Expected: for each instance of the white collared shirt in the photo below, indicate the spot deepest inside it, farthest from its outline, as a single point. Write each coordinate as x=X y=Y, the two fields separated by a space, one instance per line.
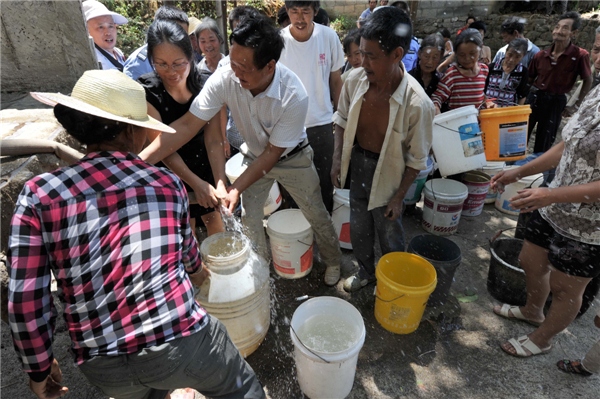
x=274 y=116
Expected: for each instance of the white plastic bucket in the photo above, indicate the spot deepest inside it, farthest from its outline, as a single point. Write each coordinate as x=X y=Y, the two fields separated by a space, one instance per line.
x=317 y=378
x=291 y=243
x=234 y=169
x=492 y=168
x=341 y=217
x=413 y=195
x=444 y=200
x=457 y=142
x=478 y=184
x=502 y=201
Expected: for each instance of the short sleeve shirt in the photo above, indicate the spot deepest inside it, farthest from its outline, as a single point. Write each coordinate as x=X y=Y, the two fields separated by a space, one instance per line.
x=138 y=64
x=559 y=77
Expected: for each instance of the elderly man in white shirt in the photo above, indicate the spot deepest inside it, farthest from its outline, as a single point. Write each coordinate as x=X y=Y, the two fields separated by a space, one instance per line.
x=102 y=27
x=268 y=104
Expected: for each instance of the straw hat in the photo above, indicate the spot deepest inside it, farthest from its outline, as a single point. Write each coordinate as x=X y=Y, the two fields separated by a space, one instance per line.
x=194 y=22
x=108 y=94
x=93 y=9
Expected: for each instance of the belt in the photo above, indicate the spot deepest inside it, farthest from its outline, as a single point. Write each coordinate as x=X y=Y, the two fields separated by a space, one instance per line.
x=543 y=93
x=296 y=150
x=366 y=153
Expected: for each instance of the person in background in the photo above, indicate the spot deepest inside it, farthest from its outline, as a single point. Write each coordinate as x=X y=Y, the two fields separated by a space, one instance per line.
x=321 y=17
x=269 y=104
x=470 y=20
x=562 y=238
x=508 y=80
x=114 y=231
x=411 y=57
x=486 y=52
x=512 y=28
x=562 y=3
x=430 y=55
x=366 y=13
x=384 y=2
x=590 y=364
x=463 y=83
x=553 y=73
x=283 y=19
x=194 y=22
x=314 y=53
x=448 y=49
x=383 y=129
x=138 y=63
x=351 y=48
x=170 y=90
x=210 y=40
x=102 y=26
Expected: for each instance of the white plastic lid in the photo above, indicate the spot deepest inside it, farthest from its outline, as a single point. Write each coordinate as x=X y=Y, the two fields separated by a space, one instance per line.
x=456 y=113
x=288 y=221
x=235 y=166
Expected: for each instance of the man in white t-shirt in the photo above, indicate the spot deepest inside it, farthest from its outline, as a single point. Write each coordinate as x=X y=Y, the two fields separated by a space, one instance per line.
x=268 y=104
x=314 y=53
x=102 y=27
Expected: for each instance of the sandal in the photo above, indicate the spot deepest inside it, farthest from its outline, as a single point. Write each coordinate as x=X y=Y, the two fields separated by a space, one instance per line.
x=522 y=343
x=516 y=314
x=573 y=367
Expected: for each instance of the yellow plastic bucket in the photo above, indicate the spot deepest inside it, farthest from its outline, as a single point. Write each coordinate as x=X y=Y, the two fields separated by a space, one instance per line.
x=505 y=132
x=404 y=283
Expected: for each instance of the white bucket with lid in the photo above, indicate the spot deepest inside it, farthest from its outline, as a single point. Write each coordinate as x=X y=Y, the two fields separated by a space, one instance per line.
x=457 y=141
x=234 y=169
x=413 y=195
x=291 y=243
x=323 y=373
x=341 y=217
x=492 y=168
x=443 y=206
x=478 y=184
x=502 y=201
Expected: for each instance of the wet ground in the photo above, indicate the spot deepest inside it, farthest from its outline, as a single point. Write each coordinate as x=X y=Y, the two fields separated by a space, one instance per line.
x=454 y=353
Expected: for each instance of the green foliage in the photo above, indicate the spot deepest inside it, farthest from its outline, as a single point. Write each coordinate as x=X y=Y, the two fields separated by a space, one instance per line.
x=343 y=24
x=141 y=14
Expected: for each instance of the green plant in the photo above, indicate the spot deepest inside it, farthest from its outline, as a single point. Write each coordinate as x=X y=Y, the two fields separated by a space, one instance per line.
x=342 y=24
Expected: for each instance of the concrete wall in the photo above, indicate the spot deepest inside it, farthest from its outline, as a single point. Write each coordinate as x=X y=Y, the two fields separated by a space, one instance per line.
x=45 y=45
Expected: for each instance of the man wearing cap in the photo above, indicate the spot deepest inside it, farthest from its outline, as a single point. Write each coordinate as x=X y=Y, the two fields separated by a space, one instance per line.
x=194 y=22
x=102 y=26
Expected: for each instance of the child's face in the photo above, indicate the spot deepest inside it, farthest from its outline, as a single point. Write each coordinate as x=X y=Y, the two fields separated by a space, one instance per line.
x=354 y=57
x=467 y=54
x=429 y=59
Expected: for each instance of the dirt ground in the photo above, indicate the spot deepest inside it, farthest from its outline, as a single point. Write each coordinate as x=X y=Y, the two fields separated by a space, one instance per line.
x=454 y=353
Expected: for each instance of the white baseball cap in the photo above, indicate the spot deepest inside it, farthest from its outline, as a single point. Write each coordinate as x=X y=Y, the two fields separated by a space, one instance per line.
x=93 y=9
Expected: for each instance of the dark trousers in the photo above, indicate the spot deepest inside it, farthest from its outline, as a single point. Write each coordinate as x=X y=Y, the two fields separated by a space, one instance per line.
x=364 y=223
x=321 y=141
x=546 y=112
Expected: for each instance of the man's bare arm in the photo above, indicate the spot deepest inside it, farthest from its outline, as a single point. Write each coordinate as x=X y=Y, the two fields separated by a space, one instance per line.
x=335 y=86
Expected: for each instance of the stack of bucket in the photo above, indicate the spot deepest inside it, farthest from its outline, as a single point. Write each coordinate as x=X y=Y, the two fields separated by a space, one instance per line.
x=291 y=243
x=341 y=217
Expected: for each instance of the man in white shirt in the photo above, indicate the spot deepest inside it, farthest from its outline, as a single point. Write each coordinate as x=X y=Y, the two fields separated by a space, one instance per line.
x=314 y=53
x=102 y=27
x=269 y=104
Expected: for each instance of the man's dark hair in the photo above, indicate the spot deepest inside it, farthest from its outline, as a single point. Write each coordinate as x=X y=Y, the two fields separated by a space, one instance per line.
x=240 y=11
x=87 y=128
x=512 y=24
x=445 y=33
x=433 y=41
x=519 y=45
x=402 y=5
x=479 y=25
x=470 y=17
x=322 y=17
x=314 y=4
x=282 y=15
x=574 y=15
x=170 y=13
x=259 y=34
x=389 y=26
x=352 y=37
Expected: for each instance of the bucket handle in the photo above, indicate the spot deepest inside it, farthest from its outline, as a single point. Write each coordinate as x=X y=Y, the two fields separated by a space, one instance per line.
x=306 y=347
x=337 y=208
x=457 y=131
x=383 y=300
x=495 y=237
x=308 y=245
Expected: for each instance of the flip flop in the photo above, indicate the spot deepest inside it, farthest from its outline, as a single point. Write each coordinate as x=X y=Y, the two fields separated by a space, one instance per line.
x=573 y=367
x=522 y=343
x=516 y=314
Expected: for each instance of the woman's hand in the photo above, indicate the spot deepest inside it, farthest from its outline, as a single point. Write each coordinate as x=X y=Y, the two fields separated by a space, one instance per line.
x=531 y=199
x=205 y=194
x=50 y=388
x=504 y=178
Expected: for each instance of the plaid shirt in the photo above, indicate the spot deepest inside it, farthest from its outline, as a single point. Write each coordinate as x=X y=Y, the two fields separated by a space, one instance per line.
x=115 y=232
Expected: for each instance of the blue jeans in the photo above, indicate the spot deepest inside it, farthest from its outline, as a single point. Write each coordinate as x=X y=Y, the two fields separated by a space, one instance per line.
x=206 y=361
x=364 y=223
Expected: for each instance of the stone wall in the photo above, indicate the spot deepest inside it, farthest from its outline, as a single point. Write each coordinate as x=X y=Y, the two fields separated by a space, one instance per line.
x=44 y=46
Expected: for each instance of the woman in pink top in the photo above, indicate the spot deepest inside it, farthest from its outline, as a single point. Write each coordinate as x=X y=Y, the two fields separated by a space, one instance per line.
x=464 y=82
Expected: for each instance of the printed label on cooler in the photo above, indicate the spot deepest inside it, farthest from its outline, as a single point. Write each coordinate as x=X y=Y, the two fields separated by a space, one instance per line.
x=513 y=139
x=470 y=137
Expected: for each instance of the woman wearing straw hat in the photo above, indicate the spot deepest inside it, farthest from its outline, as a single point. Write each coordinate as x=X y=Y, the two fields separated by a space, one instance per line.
x=114 y=230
